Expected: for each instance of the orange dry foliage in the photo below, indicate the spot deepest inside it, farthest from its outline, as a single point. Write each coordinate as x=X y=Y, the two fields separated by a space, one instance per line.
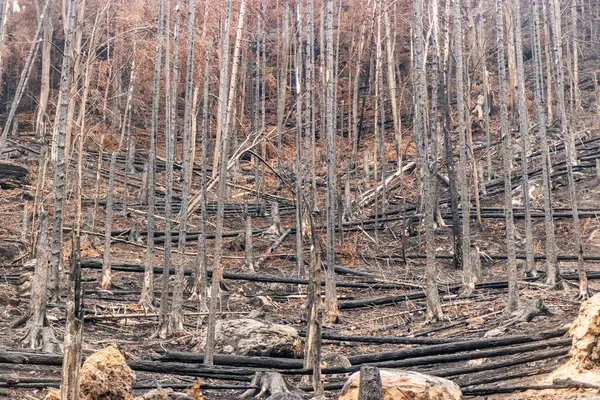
x=195 y=390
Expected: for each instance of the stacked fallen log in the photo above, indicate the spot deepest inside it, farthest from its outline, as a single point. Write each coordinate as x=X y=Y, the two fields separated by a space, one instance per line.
x=233 y=367
x=126 y=267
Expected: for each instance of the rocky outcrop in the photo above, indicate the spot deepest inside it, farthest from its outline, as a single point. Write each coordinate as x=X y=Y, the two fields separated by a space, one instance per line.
x=401 y=385
x=106 y=375
x=250 y=337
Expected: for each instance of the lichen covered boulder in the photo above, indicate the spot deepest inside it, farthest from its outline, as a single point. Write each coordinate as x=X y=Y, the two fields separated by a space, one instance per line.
x=402 y=385
x=106 y=375
x=250 y=337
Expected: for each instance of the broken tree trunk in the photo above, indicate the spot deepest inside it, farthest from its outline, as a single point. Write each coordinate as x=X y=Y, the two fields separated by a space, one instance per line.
x=370 y=383
x=74 y=327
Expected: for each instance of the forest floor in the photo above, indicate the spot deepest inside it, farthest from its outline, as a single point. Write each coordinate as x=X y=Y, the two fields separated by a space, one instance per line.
x=466 y=315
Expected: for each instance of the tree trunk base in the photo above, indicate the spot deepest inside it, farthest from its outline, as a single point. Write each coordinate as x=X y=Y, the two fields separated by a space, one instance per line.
x=272 y=384
x=42 y=338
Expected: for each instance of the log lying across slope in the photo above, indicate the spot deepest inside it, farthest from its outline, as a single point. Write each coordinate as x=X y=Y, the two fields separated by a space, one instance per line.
x=231 y=367
x=138 y=268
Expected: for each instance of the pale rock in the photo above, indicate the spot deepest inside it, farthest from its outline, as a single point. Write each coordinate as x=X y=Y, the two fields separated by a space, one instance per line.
x=250 y=337
x=401 y=385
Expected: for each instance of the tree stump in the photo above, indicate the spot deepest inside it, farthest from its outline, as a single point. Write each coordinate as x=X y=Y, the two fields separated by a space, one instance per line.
x=273 y=385
x=370 y=383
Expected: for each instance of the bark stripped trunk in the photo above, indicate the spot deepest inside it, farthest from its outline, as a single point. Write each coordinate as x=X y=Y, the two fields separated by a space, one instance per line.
x=147 y=296
x=176 y=316
x=552 y=272
x=283 y=75
x=513 y=288
x=299 y=177
x=40 y=124
x=331 y=305
x=462 y=159
x=525 y=142
x=106 y=267
x=223 y=160
x=570 y=150
x=202 y=260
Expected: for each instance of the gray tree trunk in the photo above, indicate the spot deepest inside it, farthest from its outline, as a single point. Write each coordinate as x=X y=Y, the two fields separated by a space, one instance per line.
x=106 y=278
x=462 y=159
x=525 y=142
x=60 y=166
x=552 y=272
x=202 y=260
x=223 y=160
x=283 y=75
x=176 y=315
x=331 y=306
x=299 y=177
x=513 y=288
x=147 y=296
x=40 y=124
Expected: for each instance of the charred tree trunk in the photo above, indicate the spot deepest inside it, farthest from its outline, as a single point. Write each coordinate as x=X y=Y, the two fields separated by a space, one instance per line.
x=60 y=165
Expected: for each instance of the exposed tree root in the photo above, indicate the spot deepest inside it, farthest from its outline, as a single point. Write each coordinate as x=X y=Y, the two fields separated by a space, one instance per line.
x=272 y=384
x=42 y=338
x=535 y=309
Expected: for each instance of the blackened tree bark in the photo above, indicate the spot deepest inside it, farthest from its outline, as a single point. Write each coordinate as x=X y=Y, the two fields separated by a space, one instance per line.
x=513 y=288
x=60 y=165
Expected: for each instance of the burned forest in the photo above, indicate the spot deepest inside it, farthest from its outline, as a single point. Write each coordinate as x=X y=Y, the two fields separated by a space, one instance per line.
x=299 y=199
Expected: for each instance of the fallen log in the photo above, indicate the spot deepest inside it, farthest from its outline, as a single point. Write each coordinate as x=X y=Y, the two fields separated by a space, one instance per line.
x=493 y=352
x=214 y=372
x=125 y=267
x=486 y=377
x=386 y=339
x=466 y=345
x=489 y=390
x=458 y=371
x=12 y=175
x=232 y=360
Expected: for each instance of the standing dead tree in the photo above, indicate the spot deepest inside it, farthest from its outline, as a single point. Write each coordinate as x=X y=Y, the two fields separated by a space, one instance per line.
x=513 y=288
x=462 y=139
x=106 y=278
x=552 y=272
x=176 y=315
x=40 y=334
x=69 y=387
x=434 y=309
x=226 y=117
x=60 y=164
x=331 y=306
x=147 y=297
